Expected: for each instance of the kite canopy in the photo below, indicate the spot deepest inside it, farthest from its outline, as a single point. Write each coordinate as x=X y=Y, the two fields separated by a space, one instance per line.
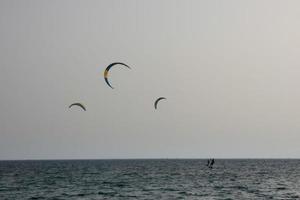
x=107 y=70
x=78 y=104
x=157 y=100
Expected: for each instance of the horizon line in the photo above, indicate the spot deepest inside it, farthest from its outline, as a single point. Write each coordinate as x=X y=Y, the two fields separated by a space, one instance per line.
x=74 y=159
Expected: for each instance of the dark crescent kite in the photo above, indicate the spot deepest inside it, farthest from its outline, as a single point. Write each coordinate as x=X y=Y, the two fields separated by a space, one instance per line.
x=78 y=104
x=108 y=68
x=157 y=100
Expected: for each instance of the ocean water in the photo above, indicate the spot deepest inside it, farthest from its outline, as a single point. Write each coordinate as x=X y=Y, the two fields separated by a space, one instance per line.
x=150 y=179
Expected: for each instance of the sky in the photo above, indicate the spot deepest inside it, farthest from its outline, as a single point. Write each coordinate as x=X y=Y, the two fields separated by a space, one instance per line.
x=229 y=70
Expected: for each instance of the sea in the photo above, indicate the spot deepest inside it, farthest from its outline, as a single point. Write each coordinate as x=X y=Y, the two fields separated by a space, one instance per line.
x=150 y=179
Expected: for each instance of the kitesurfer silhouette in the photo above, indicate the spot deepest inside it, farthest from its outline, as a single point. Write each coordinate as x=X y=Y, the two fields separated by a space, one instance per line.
x=208 y=162
x=212 y=162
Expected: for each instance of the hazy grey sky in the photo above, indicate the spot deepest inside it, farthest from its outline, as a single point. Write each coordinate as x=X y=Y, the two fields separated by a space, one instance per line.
x=230 y=71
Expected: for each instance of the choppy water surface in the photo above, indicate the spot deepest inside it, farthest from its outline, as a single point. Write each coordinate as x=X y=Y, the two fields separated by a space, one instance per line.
x=150 y=179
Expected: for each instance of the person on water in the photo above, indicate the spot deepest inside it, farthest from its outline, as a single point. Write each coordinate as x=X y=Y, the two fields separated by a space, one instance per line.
x=212 y=162
x=208 y=162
